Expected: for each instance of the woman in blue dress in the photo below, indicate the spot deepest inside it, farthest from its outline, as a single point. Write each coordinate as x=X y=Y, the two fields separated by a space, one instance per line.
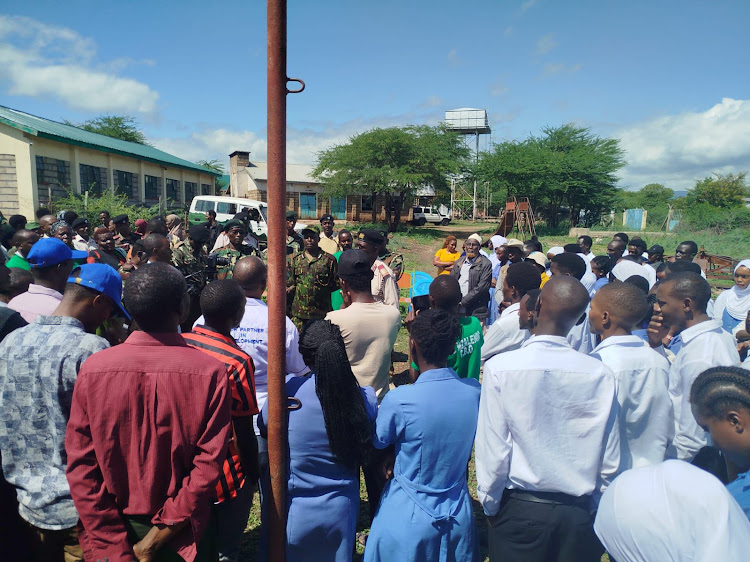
x=731 y=306
x=329 y=437
x=425 y=512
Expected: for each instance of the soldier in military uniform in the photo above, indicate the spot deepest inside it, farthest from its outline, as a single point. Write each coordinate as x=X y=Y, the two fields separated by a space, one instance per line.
x=293 y=239
x=312 y=275
x=384 y=286
x=191 y=258
x=236 y=231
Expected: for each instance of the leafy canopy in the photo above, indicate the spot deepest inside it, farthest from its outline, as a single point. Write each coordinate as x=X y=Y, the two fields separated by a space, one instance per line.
x=123 y=127
x=722 y=190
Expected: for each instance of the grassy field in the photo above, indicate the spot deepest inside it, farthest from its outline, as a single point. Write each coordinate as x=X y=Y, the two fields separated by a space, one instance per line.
x=418 y=245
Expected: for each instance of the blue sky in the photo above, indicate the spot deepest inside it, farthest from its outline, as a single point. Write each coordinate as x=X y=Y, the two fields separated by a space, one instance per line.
x=670 y=79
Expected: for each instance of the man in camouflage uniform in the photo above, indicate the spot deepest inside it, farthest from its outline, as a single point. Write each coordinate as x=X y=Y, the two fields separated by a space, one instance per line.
x=312 y=275
x=236 y=231
x=293 y=239
x=191 y=258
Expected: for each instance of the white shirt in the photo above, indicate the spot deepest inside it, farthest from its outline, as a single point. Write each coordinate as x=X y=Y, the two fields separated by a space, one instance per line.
x=547 y=423
x=384 y=281
x=505 y=334
x=646 y=420
x=252 y=337
x=671 y=512
x=704 y=345
x=83 y=245
x=463 y=277
x=580 y=337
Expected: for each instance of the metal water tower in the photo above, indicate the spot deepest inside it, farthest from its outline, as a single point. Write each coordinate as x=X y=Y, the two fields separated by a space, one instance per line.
x=467 y=121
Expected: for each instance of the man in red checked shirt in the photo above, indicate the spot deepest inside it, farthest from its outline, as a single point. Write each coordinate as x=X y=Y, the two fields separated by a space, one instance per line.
x=148 y=433
x=223 y=306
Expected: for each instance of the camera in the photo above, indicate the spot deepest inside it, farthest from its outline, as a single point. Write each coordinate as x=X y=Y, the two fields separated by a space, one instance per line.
x=213 y=263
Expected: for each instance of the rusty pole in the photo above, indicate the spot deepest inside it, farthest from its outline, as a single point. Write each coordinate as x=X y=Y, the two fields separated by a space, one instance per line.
x=277 y=420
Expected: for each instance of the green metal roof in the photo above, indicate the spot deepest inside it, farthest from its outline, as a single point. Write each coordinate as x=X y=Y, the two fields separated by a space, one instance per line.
x=44 y=128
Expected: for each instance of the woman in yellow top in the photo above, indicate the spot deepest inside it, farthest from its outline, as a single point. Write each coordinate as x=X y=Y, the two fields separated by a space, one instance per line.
x=446 y=256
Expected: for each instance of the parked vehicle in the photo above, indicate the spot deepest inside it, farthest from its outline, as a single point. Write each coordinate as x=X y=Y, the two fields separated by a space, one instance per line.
x=227 y=207
x=436 y=215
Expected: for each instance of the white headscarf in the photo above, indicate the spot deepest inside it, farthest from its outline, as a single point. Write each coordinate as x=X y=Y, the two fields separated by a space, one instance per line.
x=627 y=268
x=671 y=511
x=555 y=250
x=735 y=301
x=498 y=240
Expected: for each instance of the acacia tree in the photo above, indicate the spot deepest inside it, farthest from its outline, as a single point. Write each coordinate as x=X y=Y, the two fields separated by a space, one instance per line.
x=123 y=127
x=393 y=162
x=566 y=170
x=723 y=190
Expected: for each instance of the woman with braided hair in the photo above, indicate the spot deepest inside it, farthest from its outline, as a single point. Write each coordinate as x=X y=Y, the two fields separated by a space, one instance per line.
x=330 y=429
x=425 y=511
x=720 y=400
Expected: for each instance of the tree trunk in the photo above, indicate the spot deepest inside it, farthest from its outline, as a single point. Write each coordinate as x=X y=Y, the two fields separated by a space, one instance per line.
x=388 y=216
x=397 y=212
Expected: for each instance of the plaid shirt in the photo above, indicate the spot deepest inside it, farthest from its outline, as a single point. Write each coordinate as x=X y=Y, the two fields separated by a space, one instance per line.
x=241 y=372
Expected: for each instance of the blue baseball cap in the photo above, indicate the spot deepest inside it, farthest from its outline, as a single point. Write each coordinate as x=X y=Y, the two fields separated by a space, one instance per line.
x=102 y=278
x=52 y=251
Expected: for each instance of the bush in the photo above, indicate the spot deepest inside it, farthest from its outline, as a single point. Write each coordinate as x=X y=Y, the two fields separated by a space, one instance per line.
x=115 y=204
x=703 y=216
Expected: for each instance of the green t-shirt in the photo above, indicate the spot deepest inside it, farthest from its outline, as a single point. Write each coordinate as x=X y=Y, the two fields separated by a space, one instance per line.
x=17 y=261
x=466 y=360
x=337 y=301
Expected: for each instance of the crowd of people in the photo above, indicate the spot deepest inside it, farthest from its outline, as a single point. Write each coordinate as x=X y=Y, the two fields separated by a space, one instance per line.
x=611 y=414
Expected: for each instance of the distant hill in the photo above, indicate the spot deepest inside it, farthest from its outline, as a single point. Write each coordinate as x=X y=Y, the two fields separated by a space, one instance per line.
x=678 y=194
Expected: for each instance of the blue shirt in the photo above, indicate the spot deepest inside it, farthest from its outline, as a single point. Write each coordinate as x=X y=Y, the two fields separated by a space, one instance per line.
x=39 y=365
x=740 y=490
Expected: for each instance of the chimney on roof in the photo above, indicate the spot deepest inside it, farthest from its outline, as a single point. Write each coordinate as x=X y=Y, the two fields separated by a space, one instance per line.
x=238 y=183
x=239 y=159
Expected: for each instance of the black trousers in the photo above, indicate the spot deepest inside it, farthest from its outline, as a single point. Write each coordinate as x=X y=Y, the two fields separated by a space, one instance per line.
x=560 y=530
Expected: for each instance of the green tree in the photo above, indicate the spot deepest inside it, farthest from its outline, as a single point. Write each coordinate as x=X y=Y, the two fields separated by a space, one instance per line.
x=218 y=167
x=565 y=171
x=722 y=190
x=123 y=127
x=393 y=162
x=653 y=195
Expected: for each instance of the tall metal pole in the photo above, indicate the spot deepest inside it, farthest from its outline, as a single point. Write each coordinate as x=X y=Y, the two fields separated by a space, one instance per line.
x=277 y=419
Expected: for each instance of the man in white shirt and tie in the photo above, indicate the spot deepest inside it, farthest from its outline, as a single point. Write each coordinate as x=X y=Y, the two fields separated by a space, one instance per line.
x=548 y=441
x=681 y=301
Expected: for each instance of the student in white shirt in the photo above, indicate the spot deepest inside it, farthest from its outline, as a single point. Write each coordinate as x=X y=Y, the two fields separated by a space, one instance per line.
x=505 y=333
x=569 y=264
x=642 y=374
x=681 y=301
x=671 y=511
x=548 y=441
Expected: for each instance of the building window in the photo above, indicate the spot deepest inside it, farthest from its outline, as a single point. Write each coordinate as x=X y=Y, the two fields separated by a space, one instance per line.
x=173 y=189
x=91 y=179
x=153 y=187
x=308 y=206
x=191 y=190
x=125 y=182
x=367 y=202
x=206 y=189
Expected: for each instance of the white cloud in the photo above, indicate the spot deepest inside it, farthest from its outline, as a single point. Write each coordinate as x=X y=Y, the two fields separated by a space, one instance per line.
x=527 y=4
x=432 y=101
x=676 y=150
x=508 y=31
x=41 y=60
x=550 y=69
x=498 y=88
x=453 y=58
x=546 y=44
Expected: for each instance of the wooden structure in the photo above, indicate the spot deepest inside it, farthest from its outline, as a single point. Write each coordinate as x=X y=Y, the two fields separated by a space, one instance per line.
x=518 y=217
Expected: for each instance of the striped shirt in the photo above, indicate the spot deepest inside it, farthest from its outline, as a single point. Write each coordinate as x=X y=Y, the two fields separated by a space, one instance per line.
x=241 y=372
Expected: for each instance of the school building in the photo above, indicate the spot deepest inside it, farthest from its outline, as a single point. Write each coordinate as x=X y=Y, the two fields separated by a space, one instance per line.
x=304 y=193
x=41 y=159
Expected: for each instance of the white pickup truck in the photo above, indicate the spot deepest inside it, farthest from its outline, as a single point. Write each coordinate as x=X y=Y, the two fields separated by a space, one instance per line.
x=436 y=215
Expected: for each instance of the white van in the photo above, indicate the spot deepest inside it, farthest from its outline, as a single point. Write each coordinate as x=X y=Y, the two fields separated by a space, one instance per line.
x=227 y=207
